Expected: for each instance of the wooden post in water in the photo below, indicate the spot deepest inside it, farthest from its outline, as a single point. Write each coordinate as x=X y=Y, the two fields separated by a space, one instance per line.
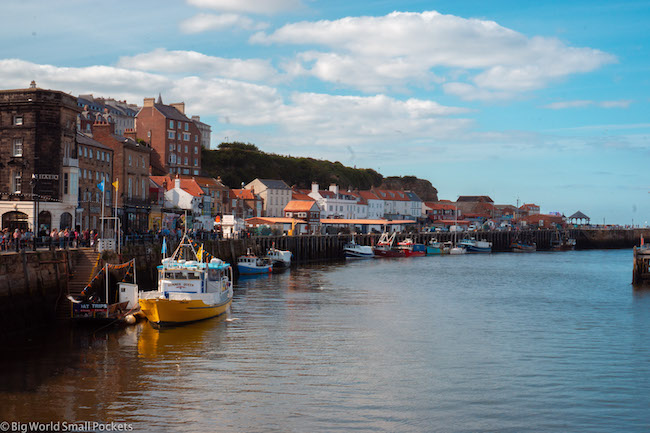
x=641 y=271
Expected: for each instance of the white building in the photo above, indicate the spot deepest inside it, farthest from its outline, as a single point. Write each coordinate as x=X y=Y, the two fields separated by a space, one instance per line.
x=188 y=195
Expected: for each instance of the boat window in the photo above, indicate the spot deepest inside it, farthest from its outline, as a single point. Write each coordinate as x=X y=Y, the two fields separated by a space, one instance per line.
x=193 y=276
x=213 y=274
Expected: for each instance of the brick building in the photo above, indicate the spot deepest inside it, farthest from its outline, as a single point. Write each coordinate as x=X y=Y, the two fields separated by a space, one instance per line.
x=131 y=170
x=95 y=164
x=175 y=140
x=39 y=169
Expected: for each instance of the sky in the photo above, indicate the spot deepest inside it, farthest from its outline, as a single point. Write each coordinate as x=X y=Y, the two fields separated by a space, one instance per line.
x=542 y=102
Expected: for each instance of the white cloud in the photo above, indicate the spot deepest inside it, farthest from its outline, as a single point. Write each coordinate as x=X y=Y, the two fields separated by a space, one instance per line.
x=405 y=47
x=248 y=6
x=586 y=103
x=192 y=62
x=205 y=22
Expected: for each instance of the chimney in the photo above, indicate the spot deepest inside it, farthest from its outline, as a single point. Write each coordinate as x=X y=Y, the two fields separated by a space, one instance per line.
x=314 y=187
x=334 y=188
x=32 y=85
x=130 y=133
x=148 y=102
x=177 y=182
x=180 y=106
x=102 y=130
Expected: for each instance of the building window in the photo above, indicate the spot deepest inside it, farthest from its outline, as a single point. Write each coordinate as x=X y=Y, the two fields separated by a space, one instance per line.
x=187 y=127
x=170 y=134
x=196 y=138
x=85 y=152
x=18 y=147
x=98 y=153
x=171 y=147
x=18 y=120
x=186 y=148
x=196 y=162
x=17 y=179
x=108 y=157
x=185 y=160
x=90 y=153
x=171 y=124
x=66 y=183
x=186 y=136
x=196 y=149
x=129 y=160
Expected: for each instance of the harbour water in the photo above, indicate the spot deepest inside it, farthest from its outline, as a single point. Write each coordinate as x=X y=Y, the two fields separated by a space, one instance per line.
x=544 y=342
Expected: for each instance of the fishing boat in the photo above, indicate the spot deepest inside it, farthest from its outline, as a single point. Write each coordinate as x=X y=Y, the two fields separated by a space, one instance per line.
x=411 y=249
x=475 y=246
x=385 y=247
x=353 y=250
x=559 y=242
x=103 y=301
x=434 y=247
x=192 y=286
x=250 y=264
x=279 y=258
x=523 y=247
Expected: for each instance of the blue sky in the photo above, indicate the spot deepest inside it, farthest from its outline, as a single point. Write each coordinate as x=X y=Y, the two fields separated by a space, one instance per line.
x=543 y=102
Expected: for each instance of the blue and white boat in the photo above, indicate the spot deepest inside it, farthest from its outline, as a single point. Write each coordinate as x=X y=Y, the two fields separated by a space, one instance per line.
x=250 y=264
x=476 y=246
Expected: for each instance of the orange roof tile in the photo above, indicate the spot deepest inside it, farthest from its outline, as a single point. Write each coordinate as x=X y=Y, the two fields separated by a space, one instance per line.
x=301 y=206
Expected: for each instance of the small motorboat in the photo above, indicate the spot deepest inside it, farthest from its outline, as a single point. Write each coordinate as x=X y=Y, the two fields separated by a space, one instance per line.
x=475 y=246
x=353 y=250
x=250 y=264
x=279 y=258
x=434 y=247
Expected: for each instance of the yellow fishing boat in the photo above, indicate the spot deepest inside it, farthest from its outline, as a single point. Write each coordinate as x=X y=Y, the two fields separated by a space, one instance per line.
x=189 y=288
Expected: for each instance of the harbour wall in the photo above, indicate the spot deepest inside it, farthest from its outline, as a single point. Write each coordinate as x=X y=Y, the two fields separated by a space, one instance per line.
x=33 y=284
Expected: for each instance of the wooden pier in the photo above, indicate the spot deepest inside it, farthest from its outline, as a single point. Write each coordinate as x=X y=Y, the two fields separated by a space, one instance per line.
x=641 y=271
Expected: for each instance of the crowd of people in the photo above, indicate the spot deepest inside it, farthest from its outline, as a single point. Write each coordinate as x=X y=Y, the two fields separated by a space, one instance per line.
x=19 y=239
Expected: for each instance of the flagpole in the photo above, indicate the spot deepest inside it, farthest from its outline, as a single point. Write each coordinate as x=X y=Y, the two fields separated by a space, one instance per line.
x=103 y=194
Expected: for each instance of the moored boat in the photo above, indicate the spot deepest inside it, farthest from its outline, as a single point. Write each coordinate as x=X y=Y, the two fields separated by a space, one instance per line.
x=279 y=258
x=385 y=247
x=434 y=247
x=189 y=288
x=353 y=250
x=101 y=301
x=475 y=246
x=560 y=242
x=411 y=249
x=250 y=264
x=523 y=247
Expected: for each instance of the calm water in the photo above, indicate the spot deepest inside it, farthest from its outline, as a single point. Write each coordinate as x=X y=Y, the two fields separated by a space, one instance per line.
x=544 y=342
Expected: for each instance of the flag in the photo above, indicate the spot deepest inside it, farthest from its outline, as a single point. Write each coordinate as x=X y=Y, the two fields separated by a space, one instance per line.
x=100 y=185
x=164 y=246
x=199 y=254
x=116 y=184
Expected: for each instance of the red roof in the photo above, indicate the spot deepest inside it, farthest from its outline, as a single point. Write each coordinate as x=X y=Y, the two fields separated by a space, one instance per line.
x=301 y=206
x=243 y=194
x=389 y=194
x=439 y=206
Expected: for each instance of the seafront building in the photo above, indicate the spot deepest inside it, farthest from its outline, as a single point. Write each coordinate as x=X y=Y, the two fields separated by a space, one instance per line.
x=39 y=165
x=95 y=165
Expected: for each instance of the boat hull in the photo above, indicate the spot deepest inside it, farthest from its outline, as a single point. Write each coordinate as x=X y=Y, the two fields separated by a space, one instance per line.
x=252 y=270
x=163 y=312
x=412 y=253
x=389 y=253
x=475 y=249
x=433 y=250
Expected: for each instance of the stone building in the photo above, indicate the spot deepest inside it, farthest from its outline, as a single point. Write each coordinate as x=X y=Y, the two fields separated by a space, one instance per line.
x=275 y=195
x=205 y=130
x=39 y=169
x=175 y=140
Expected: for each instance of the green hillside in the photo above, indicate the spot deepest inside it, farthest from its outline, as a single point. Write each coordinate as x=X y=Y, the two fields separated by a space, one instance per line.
x=239 y=163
